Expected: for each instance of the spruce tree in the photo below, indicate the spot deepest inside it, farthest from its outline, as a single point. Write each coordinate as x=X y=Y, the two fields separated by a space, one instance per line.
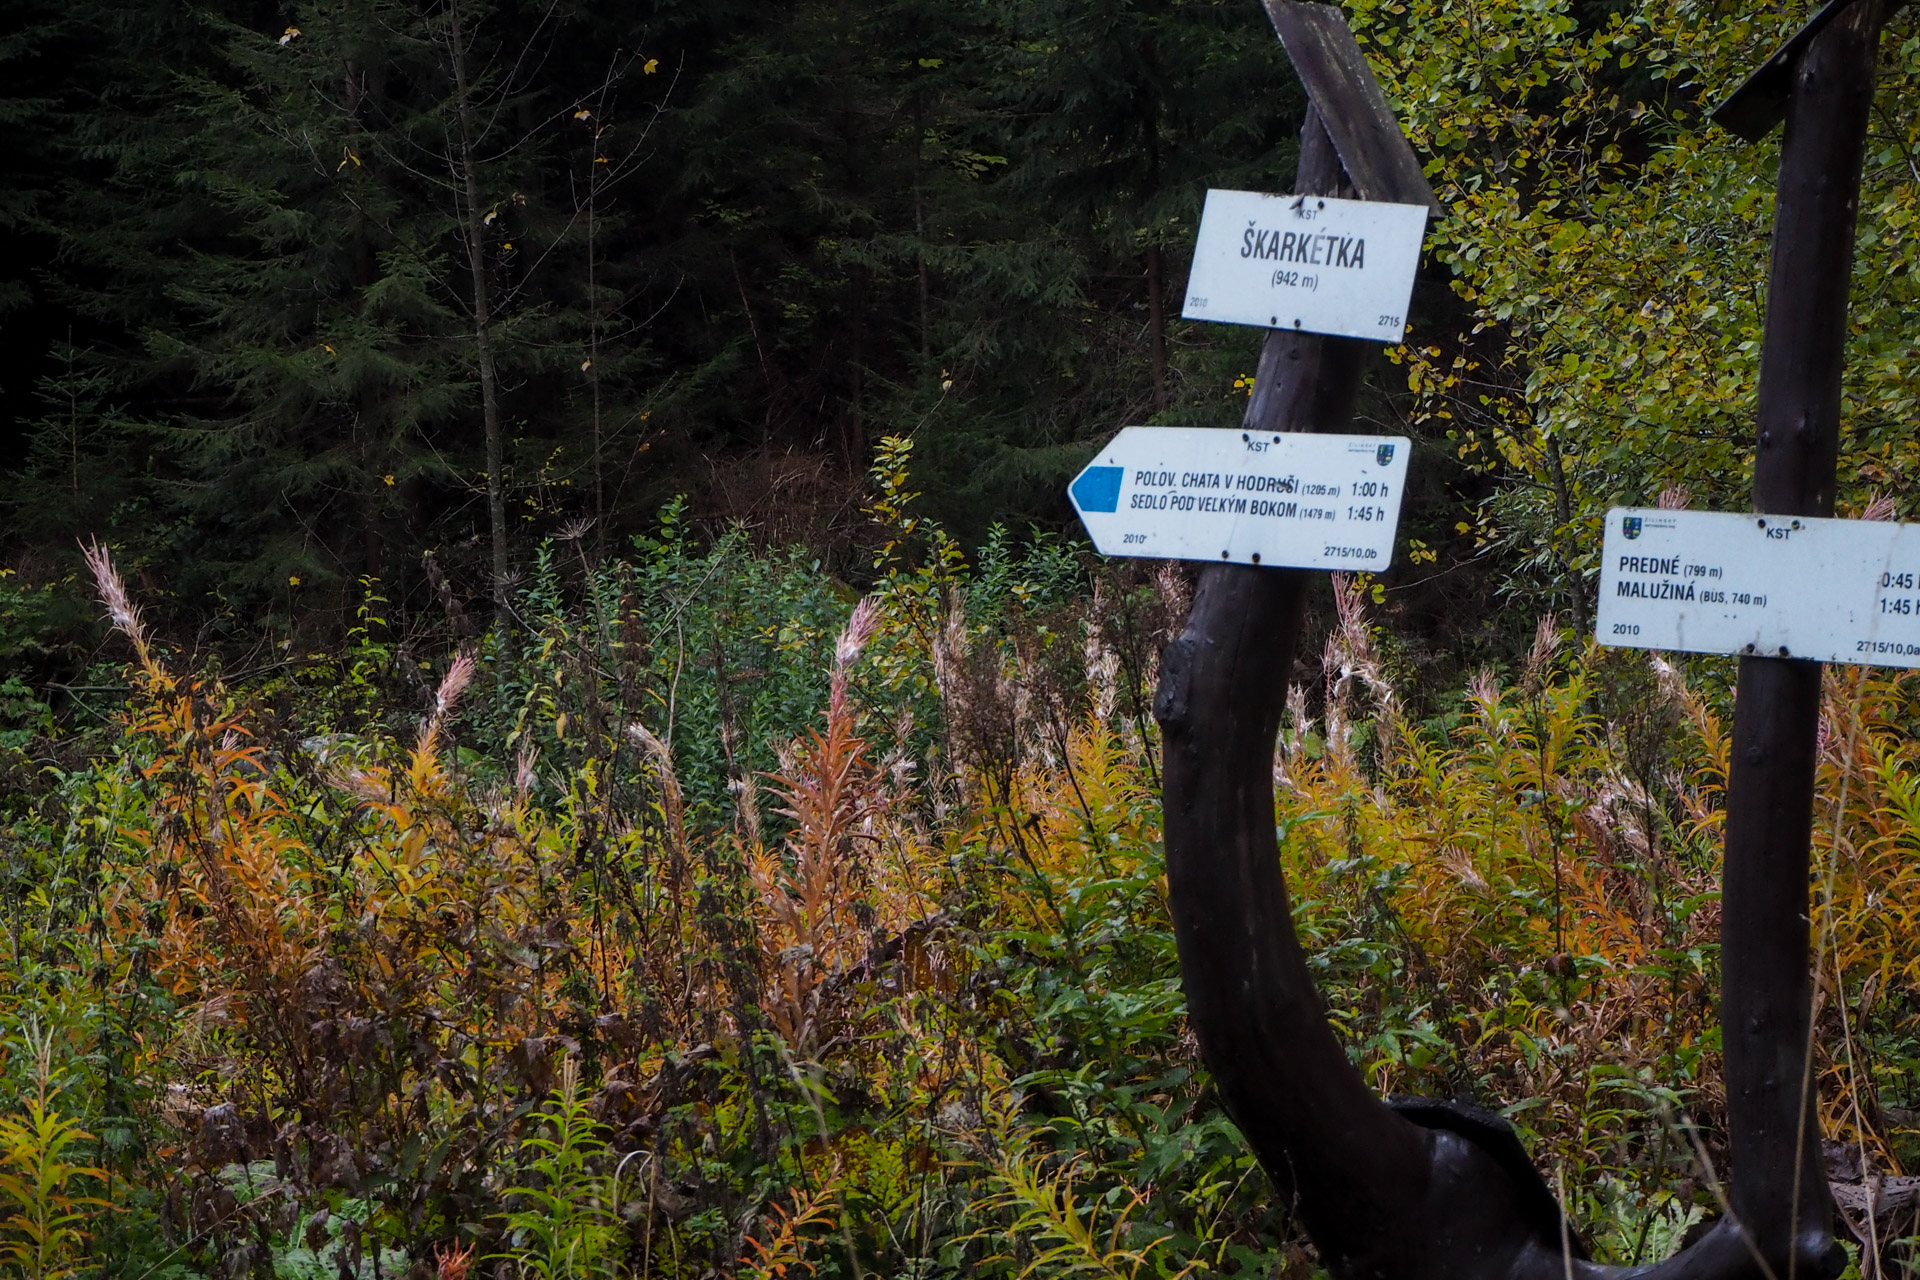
x=345 y=247
x=1126 y=113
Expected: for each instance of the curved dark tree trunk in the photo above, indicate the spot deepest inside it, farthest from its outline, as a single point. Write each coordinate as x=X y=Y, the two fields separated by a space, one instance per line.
x=1411 y=1190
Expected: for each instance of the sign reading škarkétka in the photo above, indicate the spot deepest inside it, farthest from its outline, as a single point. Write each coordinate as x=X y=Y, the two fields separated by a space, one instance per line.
x=1763 y=585
x=1311 y=263
x=1280 y=499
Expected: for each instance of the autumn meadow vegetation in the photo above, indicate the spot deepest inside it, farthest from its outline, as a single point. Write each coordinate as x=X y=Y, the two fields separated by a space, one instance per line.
x=878 y=978
x=553 y=722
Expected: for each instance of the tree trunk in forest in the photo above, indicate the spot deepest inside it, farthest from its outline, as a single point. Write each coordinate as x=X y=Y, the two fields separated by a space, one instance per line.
x=920 y=241
x=593 y=342
x=1563 y=526
x=854 y=444
x=372 y=459
x=1157 y=322
x=474 y=226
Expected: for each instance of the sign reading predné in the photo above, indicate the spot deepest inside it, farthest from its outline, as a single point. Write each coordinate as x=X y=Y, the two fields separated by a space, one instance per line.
x=1311 y=263
x=1762 y=585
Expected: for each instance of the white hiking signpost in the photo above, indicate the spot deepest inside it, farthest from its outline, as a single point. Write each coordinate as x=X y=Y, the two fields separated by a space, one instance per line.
x=1292 y=265
x=1771 y=586
x=1311 y=263
x=1284 y=498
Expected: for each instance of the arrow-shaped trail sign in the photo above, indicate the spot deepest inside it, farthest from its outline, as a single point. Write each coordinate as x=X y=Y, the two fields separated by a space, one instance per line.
x=1281 y=499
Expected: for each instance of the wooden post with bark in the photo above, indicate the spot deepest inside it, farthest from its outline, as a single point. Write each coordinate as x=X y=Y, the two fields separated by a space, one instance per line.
x=1408 y=1189
x=1821 y=83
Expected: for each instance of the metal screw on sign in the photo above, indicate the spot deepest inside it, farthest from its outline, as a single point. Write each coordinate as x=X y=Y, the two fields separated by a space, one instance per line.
x=1412 y=1189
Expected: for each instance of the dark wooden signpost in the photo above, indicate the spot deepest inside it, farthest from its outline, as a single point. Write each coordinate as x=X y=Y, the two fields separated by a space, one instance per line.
x=1406 y=1189
x=1821 y=84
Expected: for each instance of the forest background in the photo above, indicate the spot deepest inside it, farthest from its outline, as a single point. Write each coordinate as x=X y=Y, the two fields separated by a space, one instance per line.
x=607 y=754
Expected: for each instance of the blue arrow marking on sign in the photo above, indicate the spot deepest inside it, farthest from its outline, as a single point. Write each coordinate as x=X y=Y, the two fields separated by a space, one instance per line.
x=1098 y=489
